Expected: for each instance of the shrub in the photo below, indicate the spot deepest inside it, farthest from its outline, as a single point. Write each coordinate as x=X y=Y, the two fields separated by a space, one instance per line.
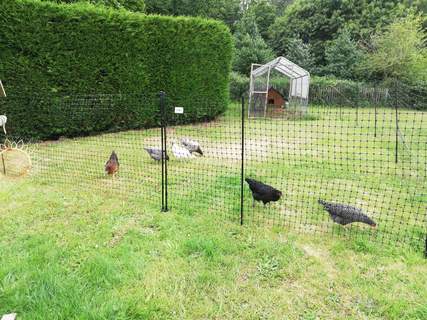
x=131 y=5
x=67 y=50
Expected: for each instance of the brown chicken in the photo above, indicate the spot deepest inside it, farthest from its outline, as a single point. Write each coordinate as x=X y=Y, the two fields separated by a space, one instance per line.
x=112 y=165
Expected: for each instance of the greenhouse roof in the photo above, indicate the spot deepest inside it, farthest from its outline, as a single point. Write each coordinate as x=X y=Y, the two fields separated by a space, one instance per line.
x=284 y=66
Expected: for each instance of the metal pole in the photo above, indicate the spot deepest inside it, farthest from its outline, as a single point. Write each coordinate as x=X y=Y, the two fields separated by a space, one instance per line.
x=166 y=163
x=376 y=119
x=425 y=251
x=164 y=154
x=397 y=129
x=242 y=170
x=357 y=111
x=161 y=102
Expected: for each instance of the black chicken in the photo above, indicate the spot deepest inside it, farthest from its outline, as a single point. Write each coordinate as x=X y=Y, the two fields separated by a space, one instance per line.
x=263 y=192
x=345 y=214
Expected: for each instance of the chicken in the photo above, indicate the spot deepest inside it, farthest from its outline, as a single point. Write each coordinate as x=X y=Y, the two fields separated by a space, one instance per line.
x=112 y=165
x=191 y=145
x=263 y=192
x=345 y=214
x=3 y=120
x=155 y=153
x=181 y=152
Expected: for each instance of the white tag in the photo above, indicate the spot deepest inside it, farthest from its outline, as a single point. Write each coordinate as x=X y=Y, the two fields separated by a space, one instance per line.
x=179 y=110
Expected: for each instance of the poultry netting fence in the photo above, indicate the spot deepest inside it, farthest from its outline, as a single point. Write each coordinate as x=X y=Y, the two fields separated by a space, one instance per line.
x=342 y=168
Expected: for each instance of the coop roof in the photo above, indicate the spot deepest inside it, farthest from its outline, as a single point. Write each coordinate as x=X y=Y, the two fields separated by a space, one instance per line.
x=284 y=66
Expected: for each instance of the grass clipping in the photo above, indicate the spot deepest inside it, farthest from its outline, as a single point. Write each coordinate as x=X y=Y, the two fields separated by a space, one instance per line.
x=14 y=159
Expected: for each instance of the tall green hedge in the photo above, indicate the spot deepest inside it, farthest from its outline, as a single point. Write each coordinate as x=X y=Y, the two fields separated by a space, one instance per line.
x=49 y=50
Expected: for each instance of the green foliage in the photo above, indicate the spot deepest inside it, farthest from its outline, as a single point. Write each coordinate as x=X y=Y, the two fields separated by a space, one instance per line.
x=318 y=21
x=250 y=47
x=280 y=5
x=239 y=85
x=399 y=52
x=342 y=56
x=265 y=15
x=224 y=10
x=131 y=5
x=300 y=53
x=80 y=49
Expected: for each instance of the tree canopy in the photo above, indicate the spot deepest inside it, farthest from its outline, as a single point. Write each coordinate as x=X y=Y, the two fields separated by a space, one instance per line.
x=318 y=21
x=399 y=52
x=351 y=39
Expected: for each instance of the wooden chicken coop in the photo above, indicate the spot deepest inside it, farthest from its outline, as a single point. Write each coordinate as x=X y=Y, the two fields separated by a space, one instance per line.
x=275 y=99
x=276 y=102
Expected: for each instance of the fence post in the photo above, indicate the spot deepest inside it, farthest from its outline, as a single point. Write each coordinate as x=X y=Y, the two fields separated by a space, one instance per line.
x=242 y=170
x=397 y=126
x=376 y=120
x=425 y=249
x=164 y=153
x=161 y=97
x=357 y=112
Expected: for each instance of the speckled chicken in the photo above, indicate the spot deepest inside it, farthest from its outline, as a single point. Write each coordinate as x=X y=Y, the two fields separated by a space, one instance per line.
x=345 y=214
x=112 y=165
x=263 y=192
x=155 y=153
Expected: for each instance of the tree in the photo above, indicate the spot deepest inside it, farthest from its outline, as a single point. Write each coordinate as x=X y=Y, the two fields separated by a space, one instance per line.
x=280 y=5
x=265 y=14
x=250 y=47
x=318 y=21
x=343 y=56
x=399 y=52
x=300 y=53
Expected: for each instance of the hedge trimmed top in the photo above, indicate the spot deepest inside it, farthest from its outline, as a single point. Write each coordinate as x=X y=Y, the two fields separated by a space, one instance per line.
x=47 y=48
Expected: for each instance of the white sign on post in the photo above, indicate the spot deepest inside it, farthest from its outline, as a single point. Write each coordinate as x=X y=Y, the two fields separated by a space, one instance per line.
x=2 y=92
x=179 y=110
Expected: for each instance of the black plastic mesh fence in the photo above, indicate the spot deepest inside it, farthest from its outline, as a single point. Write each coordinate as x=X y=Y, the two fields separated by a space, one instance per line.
x=370 y=158
x=83 y=131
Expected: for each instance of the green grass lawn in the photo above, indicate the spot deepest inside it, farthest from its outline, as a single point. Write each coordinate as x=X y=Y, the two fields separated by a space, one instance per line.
x=75 y=244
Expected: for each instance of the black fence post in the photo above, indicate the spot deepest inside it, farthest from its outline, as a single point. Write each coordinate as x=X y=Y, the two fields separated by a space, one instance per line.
x=161 y=98
x=164 y=153
x=376 y=120
x=397 y=128
x=242 y=170
x=425 y=249
x=165 y=157
x=357 y=112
